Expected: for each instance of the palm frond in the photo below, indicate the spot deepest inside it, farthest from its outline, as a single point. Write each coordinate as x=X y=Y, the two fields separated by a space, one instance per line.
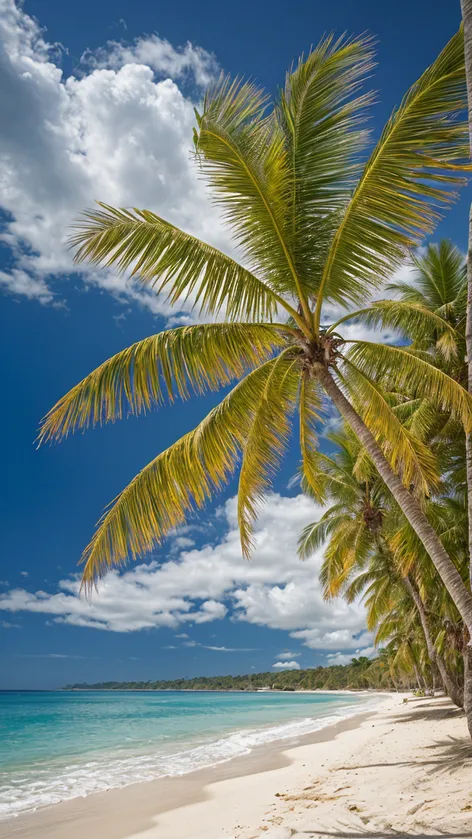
x=166 y=258
x=267 y=439
x=242 y=153
x=321 y=112
x=347 y=547
x=314 y=535
x=399 y=369
x=412 y=319
x=440 y=274
x=406 y=454
x=178 y=481
x=411 y=174
x=310 y=404
x=171 y=363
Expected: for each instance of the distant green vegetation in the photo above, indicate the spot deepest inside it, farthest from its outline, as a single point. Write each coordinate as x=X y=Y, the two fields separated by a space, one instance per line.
x=360 y=674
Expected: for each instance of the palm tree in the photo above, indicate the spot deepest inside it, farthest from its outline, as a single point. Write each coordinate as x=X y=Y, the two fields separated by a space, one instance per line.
x=313 y=226
x=466 y=8
x=358 y=531
x=441 y=286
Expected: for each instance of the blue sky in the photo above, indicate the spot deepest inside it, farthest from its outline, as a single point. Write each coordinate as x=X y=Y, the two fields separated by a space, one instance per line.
x=101 y=107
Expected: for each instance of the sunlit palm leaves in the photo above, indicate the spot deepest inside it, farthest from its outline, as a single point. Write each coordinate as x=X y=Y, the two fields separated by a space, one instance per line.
x=409 y=176
x=311 y=225
x=170 y=260
x=173 y=363
x=399 y=369
x=179 y=480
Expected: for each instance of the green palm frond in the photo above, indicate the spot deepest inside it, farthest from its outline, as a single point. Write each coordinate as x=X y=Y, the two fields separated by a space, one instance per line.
x=410 y=175
x=243 y=155
x=425 y=420
x=400 y=370
x=412 y=319
x=178 y=481
x=166 y=258
x=440 y=274
x=356 y=586
x=267 y=439
x=348 y=546
x=171 y=363
x=314 y=535
x=337 y=479
x=310 y=404
x=321 y=112
x=406 y=453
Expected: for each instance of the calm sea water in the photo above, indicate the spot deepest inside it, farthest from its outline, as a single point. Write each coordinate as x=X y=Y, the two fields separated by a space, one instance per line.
x=60 y=745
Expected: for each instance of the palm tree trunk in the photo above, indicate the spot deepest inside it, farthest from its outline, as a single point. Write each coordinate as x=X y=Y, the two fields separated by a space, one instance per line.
x=435 y=658
x=407 y=503
x=466 y=7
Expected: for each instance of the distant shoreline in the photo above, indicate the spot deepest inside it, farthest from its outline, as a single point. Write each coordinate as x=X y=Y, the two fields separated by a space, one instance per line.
x=226 y=690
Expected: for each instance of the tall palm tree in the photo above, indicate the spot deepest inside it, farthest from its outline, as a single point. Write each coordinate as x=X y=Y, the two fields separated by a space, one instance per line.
x=466 y=8
x=358 y=533
x=441 y=286
x=314 y=224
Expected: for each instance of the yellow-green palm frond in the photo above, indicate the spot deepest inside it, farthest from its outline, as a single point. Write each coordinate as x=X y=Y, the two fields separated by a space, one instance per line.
x=167 y=258
x=412 y=319
x=348 y=546
x=267 y=439
x=362 y=468
x=407 y=455
x=321 y=111
x=356 y=586
x=411 y=174
x=171 y=363
x=425 y=420
x=409 y=372
x=337 y=479
x=310 y=406
x=242 y=153
x=440 y=276
x=314 y=535
x=178 y=481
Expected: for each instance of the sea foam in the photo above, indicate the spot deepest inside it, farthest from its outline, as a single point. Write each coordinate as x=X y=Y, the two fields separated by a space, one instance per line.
x=56 y=781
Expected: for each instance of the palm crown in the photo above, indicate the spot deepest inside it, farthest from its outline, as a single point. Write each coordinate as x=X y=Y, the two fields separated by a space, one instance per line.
x=315 y=219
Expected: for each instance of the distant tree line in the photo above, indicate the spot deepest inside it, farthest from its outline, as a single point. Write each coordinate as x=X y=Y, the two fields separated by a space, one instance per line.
x=360 y=674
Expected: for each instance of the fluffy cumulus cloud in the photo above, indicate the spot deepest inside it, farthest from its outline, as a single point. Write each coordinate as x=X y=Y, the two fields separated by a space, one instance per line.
x=344 y=658
x=286 y=665
x=120 y=130
x=275 y=589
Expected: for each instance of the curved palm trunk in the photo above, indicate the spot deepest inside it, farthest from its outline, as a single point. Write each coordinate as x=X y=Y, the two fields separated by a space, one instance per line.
x=435 y=658
x=466 y=7
x=407 y=503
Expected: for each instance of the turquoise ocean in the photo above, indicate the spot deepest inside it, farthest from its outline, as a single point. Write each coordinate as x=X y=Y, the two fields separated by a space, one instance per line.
x=59 y=745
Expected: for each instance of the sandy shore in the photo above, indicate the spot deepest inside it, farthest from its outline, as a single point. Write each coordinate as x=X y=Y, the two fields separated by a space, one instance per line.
x=403 y=770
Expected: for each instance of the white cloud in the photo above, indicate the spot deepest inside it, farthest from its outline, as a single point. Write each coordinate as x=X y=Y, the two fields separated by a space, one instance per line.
x=344 y=658
x=286 y=665
x=159 y=54
x=48 y=655
x=275 y=589
x=182 y=542
x=230 y=649
x=119 y=131
x=286 y=656
x=8 y=625
x=24 y=573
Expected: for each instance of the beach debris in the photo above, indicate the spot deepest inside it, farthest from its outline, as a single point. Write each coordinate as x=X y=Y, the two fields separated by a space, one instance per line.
x=277 y=833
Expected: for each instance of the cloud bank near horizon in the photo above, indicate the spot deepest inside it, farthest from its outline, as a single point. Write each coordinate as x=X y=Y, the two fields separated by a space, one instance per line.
x=203 y=585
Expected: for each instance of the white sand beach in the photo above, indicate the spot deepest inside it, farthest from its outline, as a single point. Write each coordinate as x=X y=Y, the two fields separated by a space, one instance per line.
x=402 y=770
